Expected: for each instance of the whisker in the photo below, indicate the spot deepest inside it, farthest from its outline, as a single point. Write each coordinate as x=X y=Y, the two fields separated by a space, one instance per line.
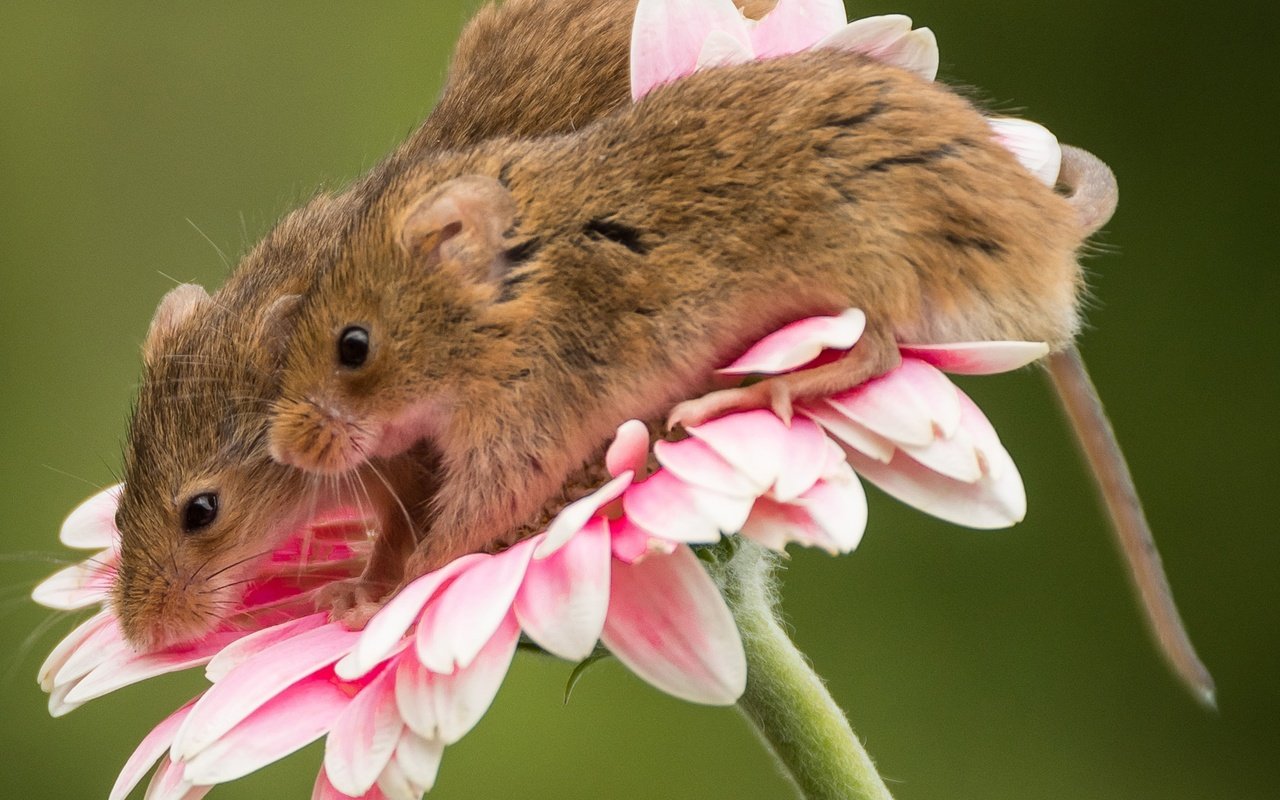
x=63 y=472
x=408 y=518
x=21 y=652
x=235 y=564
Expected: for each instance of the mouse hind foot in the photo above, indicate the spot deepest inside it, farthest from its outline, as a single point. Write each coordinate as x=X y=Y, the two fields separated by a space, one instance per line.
x=873 y=356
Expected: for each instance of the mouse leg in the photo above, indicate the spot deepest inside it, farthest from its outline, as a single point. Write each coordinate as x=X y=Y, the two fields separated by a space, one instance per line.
x=874 y=355
x=354 y=601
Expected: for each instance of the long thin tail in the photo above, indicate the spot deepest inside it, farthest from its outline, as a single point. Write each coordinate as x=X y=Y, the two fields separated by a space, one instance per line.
x=1091 y=187
x=1098 y=440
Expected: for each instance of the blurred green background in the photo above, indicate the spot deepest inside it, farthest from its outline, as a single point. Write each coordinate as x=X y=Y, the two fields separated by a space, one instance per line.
x=996 y=666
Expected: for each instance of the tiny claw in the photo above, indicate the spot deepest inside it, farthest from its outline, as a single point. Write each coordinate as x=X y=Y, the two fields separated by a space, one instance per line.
x=780 y=401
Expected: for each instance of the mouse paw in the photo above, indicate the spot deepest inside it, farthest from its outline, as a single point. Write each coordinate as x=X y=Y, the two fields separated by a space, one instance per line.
x=357 y=616
x=772 y=394
x=352 y=602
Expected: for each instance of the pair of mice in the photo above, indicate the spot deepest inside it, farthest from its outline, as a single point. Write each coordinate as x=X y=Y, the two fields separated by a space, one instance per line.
x=506 y=304
x=515 y=302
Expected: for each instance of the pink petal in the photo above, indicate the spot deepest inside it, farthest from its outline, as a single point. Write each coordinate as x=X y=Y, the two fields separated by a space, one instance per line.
x=58 y=706
x=92 y=525
x=776 y=525
x=630 y=542
x=668 y=623
x=384 y=632
x=129 y=668
x=105 y=643
x=832 y=516
x=395 y=784
x=324 y=791
x=148 y=753
x=170 y=783
x=419 y=759
x=668 y=36
x=834 y=462
x=79 y=585
x=666 y=508
x=803 y=462
x=916 y=52
x=457 y=625
x=574 y=516
x=839 y=507
x=446 y=707
x=1035 y=147
x=562 y=603
x=846 y=430
x=977 y=358
x=722 y=49
x=799 y=343
x=257 y=683
x=630 y=449
x=753 y=442
x=890 y=39
x=70 y=644
x=796 y=25
x=995 y=460
x=291 y=720
x=694 y=463
x=364 y=737
x=870 y=36
x=240 y=651
x=955 y=456
x=985 y=505
x=912 y=405
x=726 y=512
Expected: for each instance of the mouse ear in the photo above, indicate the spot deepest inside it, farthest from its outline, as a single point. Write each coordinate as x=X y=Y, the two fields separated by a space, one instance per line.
x=277 y=325
x=176 y=307
x=460 y=224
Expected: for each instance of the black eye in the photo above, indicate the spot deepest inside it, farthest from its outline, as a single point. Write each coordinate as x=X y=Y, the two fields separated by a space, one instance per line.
x=200 y=512
x=353 y=347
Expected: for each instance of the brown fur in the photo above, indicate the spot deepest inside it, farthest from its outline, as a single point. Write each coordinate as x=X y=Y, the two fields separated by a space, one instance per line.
x=199 y=423
x=654 y=246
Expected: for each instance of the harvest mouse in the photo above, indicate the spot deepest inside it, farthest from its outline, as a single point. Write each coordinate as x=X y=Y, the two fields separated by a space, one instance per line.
x=203 y=502
x=514 y=302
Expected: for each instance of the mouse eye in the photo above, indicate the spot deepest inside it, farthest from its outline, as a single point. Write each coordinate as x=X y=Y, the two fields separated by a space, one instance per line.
x=353 y=347
x=200 y=512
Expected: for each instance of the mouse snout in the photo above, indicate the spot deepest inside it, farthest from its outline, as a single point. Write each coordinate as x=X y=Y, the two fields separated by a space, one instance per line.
x=156 y=612
x=317 y=437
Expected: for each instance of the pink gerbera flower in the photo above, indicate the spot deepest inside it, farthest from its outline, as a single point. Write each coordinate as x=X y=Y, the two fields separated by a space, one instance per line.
x=616 y=569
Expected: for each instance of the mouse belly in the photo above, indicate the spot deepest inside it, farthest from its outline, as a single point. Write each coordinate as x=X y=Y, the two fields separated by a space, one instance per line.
x=1035 y=308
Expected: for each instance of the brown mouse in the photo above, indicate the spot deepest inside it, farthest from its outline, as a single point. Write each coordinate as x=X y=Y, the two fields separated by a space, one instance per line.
x=203 y=501
x=515 y=302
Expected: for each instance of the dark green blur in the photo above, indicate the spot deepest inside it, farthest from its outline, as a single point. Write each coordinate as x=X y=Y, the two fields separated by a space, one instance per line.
x=138 y=139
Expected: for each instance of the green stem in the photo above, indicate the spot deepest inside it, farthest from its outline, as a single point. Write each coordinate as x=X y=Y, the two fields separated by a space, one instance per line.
x=786 y=702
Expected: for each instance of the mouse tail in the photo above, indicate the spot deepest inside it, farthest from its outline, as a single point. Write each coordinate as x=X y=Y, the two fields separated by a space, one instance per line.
x=1098 y=441
x=1090 y=187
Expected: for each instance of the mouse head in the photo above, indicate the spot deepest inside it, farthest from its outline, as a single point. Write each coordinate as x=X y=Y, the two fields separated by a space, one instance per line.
x=385 y=342
x=203 y=502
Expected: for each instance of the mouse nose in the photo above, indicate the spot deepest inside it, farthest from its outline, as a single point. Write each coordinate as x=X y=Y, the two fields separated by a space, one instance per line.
x=155 y=613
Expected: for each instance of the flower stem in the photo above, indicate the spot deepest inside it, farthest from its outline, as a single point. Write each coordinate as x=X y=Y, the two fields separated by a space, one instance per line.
x=786 y=702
